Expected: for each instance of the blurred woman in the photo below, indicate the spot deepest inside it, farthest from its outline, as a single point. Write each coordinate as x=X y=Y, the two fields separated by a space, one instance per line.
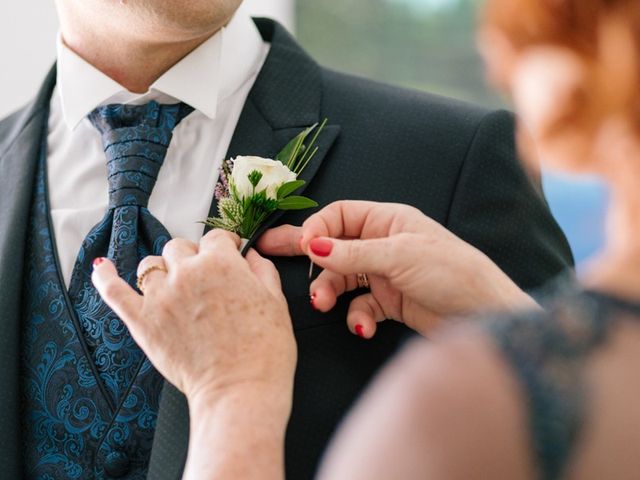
x=529 y=394
x=540 y=394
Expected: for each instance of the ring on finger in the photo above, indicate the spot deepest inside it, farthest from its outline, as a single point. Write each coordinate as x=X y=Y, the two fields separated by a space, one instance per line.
x=363 y=280
x=145 y=274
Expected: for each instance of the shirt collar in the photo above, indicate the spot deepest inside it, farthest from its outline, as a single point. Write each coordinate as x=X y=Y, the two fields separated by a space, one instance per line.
x=202 y=79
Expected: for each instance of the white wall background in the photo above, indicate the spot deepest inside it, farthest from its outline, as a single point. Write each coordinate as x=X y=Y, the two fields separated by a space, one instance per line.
x=27 y=43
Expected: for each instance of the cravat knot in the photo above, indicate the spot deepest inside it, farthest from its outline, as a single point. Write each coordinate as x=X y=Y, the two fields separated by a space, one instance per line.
x=135 y=140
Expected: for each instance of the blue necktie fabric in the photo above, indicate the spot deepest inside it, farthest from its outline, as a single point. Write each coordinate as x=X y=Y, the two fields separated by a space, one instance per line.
x=135 y=141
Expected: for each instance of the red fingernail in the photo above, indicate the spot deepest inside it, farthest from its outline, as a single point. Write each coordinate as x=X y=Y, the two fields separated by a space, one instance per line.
x=313 y=302
x=360 y=331
x=321 y=247
x=97 y=261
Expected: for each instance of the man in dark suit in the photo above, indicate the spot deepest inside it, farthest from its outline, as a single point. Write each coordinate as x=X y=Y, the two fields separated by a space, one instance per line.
x=72 y=406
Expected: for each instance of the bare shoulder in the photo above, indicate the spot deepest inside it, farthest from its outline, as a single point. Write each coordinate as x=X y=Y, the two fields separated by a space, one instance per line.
x=446 y=409
x=607 y=445
x=470 y=403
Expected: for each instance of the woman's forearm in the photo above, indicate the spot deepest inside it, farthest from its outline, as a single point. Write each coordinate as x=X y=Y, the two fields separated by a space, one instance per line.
x=238 y=435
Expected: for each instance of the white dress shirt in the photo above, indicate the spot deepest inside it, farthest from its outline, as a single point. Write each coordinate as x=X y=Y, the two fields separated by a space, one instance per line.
x=215 y=79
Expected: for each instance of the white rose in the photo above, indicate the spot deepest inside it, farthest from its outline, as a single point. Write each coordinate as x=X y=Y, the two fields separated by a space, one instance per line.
x=274 y=174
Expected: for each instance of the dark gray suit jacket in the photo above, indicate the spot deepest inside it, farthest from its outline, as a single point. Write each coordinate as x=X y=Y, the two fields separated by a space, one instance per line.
x=453 y=161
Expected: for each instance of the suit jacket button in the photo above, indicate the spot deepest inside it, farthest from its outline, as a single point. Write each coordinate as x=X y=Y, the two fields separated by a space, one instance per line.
x=116 y=465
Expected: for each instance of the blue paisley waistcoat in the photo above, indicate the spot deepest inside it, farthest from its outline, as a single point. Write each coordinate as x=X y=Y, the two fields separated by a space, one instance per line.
x=72 y=426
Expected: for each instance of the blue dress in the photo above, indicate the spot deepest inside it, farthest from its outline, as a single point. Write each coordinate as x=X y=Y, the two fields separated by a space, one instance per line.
x=547 y=351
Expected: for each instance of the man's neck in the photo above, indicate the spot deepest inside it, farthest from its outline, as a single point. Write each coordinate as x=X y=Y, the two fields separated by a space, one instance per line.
x=130 y=44
x=134 y=65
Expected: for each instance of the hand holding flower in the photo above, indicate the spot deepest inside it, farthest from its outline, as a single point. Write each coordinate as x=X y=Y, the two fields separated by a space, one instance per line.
x=419 y=272
x=251 y=189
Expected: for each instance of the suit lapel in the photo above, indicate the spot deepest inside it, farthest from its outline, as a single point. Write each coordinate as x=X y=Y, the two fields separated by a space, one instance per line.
x=19 y=151
x=285 y=99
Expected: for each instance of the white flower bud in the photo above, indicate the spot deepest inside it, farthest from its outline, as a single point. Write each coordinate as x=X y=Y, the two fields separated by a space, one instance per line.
x=274 y=174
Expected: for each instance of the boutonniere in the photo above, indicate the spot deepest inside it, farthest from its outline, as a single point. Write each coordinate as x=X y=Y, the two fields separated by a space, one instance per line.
x=250 y=189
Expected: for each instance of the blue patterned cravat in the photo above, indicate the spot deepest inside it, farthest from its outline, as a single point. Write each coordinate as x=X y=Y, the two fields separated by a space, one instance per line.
x=135 y=140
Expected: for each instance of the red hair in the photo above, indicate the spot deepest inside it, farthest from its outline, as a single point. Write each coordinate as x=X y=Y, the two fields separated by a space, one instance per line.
x=603 y=34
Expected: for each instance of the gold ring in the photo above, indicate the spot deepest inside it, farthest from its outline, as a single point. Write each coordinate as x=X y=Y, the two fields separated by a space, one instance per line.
x=363 y=280
x=143 y=275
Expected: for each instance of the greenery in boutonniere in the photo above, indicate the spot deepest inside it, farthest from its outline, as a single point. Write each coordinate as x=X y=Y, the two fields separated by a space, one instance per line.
x=250 y=188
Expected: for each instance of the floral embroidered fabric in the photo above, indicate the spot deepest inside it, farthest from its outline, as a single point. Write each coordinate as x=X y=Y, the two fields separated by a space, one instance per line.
x=135 y=139
x=90 y=395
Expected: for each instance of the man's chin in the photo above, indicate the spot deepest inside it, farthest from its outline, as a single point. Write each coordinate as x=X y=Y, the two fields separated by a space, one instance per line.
x=187 y=19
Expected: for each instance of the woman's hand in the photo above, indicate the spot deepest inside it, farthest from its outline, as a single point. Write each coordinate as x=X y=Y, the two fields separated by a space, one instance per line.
x=209 y=320
x=418 y=271
x=217 y=326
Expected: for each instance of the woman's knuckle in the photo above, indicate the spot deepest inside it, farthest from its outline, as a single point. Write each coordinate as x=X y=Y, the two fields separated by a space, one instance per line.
x=171 y=244
x=267 y=264
x=400 y=243
x=352 y=250
x=143 y=264
x=216 y=234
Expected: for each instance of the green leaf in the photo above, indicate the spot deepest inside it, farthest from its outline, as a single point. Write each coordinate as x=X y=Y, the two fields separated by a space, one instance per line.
x=299 y=164
x=291 y=151
x=289 y=187
x=296 y=203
